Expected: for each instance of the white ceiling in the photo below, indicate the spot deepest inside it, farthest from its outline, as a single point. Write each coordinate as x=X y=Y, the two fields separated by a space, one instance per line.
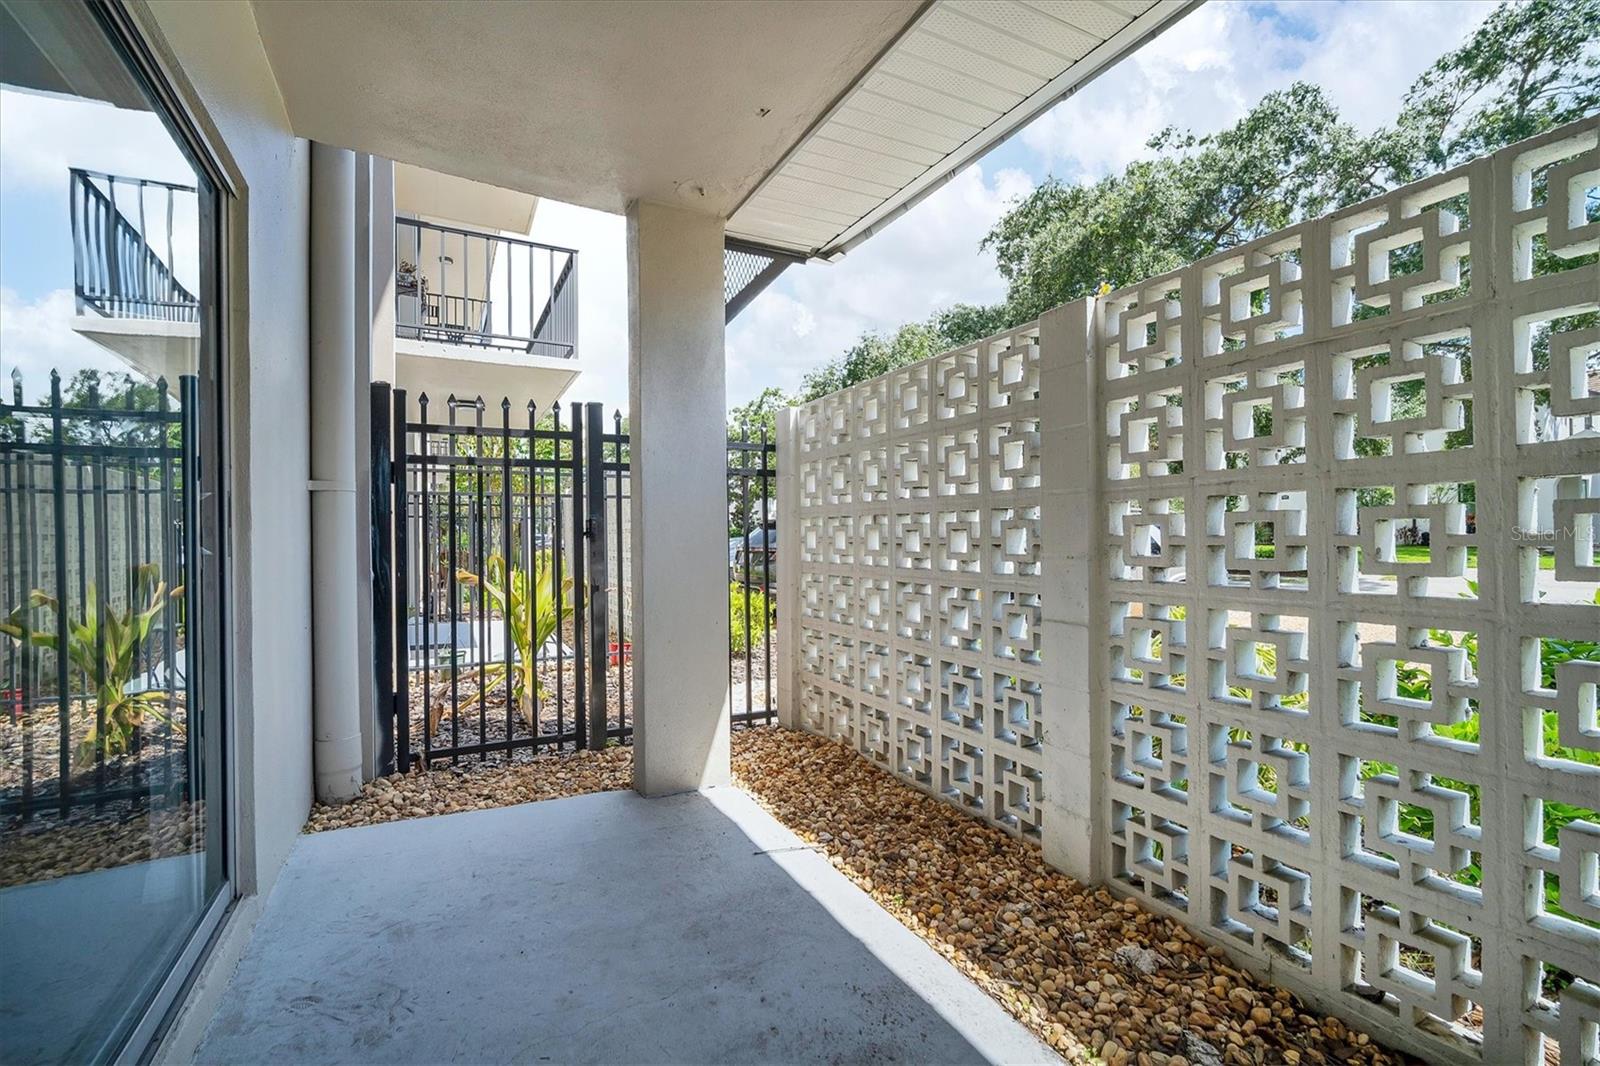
x=594 y=103
x=445 y=198
x=809 y=125
x=963 y=77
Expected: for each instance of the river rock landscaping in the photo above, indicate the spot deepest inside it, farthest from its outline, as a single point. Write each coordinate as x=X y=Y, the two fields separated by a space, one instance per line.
x=471 y=787
x=1097 y=978
x=47 y=848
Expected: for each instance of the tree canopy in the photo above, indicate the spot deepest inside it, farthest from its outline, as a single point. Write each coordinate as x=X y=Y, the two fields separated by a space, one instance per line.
x=1530 y=66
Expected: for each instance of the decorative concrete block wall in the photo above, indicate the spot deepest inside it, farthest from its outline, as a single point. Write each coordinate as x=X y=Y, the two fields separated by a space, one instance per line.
x=917 y=539
x=1226 y=587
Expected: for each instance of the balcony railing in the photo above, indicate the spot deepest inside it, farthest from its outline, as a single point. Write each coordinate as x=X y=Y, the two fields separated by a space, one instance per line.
x=123 y=246
x=459 y=286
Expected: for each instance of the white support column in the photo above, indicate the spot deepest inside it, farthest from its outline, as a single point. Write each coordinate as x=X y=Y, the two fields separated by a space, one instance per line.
x=677 y=400
x=374 y=361
x=336 y=674
x=788 y=587
x=381 y=220
x=362 y=414
x=1069 y=513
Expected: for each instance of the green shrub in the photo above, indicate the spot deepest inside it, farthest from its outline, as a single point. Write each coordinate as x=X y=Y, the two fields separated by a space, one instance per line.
x=762 y=613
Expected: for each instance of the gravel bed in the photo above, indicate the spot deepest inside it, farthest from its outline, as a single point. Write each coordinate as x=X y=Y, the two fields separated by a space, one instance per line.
x=473 y=787
x=47 y=849
x=465 y=730
x=1090 y=974
x=619 y=701
x=34 y=740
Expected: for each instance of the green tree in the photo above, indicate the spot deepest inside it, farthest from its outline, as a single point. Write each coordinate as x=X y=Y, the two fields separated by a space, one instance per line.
x=876 y=354
x=760 y=415
x=753 y=498
x=967 y=323
x=1527 y=68
x=872 y=355
x=1290 y=157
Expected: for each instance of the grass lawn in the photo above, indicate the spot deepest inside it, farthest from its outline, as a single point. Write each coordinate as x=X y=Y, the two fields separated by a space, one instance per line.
x=1416 y=553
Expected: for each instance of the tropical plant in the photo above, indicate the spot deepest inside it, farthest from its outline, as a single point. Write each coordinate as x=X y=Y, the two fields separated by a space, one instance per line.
x=108 y=653
x=533 y=606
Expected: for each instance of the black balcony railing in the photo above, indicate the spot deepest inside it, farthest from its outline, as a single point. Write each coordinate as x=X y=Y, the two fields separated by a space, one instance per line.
x=459 y=286
x=122 y=246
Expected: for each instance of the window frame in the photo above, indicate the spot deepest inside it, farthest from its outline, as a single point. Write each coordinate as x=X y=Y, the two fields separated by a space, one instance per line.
x=127 y=35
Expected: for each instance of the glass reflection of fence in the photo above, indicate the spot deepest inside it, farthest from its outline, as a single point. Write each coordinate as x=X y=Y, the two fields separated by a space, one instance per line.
x=95 y=521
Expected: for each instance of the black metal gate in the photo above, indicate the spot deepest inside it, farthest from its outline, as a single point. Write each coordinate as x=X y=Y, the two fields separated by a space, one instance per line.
x=493 y=572
x=753 y=565
x=500 y=577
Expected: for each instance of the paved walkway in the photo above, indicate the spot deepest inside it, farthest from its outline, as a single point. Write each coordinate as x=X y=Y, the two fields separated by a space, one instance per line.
x=603 y=928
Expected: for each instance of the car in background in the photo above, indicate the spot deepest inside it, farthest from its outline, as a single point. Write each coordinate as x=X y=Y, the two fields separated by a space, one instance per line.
x=762 y=554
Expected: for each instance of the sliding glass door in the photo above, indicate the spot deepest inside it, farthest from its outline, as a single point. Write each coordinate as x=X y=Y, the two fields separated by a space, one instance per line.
x=112 y=800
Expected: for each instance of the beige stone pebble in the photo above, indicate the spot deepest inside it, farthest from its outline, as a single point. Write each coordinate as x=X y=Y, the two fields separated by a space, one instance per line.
x=44 y=848
x=447 y=791
x=1033 y=938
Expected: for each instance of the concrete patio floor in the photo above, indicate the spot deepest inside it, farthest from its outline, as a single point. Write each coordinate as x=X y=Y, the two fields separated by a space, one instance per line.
x=605 y=928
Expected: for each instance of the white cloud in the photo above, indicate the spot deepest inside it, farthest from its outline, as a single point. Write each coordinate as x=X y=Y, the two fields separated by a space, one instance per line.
x=1206 y=71
x=45 y=135
x=39 y=338
x=921 y=264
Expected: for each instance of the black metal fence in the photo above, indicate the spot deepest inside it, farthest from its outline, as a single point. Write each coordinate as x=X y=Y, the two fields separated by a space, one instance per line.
x=753 y=564
x=97 y=530
x=501 y=570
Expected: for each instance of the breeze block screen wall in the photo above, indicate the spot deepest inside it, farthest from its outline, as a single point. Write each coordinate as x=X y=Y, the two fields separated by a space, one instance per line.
x=1278 y=574
x=919 y=560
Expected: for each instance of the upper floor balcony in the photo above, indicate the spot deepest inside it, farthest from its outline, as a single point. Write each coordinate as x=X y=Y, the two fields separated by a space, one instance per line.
x=475 y=312
x=133 y=270
x=122 y=266
x=460 y=286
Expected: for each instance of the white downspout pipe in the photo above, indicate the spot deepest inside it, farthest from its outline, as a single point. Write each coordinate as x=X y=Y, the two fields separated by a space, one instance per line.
x=335 y=667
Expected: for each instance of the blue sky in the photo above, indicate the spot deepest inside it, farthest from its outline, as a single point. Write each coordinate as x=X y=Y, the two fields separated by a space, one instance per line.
x=42 y=137
x=1202 y=73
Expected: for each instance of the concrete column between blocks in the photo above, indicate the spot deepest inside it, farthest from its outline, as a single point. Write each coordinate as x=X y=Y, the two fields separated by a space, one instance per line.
x=677 y=399
x=1073 y=783
x=788 y=588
